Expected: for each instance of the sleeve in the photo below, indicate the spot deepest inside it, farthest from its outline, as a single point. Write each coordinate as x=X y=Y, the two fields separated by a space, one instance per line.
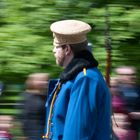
x=81 y=116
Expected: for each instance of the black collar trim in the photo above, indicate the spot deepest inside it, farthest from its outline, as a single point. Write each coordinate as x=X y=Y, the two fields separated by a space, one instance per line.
x=84 y=59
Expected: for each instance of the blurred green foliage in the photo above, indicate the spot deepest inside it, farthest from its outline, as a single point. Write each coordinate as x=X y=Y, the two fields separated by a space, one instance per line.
x=26 y=40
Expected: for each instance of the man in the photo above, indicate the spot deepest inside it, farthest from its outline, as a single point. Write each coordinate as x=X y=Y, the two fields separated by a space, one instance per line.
x=33 y=105
x=79 y=106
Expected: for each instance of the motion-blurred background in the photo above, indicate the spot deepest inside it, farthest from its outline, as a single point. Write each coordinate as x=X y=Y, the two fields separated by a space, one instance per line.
x=26 y=47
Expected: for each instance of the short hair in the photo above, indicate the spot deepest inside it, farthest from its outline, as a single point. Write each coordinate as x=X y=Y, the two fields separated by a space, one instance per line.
x=79 y=47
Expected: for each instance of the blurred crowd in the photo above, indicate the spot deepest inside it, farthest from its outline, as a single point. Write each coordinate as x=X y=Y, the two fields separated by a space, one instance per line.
x=125 y=103
x=125 y=106
x=31 y=116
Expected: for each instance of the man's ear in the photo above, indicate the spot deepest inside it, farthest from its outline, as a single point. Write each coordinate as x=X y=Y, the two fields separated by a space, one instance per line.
x=68 y=50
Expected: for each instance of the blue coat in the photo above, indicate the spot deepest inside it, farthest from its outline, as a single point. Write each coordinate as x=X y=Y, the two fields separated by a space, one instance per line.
x=82 y=108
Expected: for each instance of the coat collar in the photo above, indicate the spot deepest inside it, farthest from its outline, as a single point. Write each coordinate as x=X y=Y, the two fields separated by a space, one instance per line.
x=84 y=59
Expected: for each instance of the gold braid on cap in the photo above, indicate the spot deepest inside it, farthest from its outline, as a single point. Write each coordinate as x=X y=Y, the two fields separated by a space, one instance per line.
x=48 y=133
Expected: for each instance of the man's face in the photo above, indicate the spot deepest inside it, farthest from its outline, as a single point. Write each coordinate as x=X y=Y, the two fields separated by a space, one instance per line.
x=59 y=54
